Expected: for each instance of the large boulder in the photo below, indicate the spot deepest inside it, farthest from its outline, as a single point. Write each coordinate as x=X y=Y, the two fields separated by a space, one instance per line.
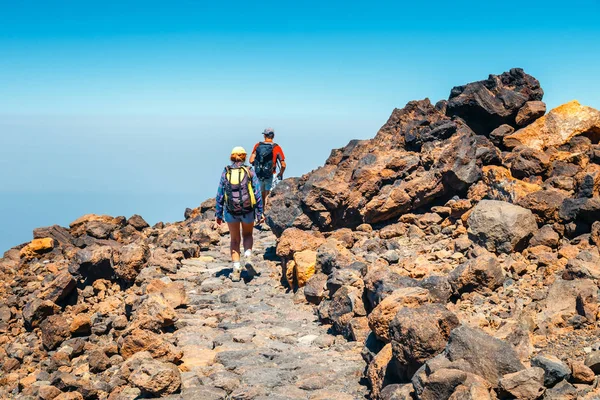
x=384 y=313
x=482 y=354
x=478 y=274
x=500 y=226
x=418 y=334
x=557 y=127
x=487 y=104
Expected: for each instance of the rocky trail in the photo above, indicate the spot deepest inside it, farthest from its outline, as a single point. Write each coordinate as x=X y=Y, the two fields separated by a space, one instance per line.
x=249 y=339
x=456 y=255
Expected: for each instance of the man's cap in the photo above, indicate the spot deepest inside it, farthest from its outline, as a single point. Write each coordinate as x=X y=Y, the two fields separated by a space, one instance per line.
x=269 y=132
x=238 y=150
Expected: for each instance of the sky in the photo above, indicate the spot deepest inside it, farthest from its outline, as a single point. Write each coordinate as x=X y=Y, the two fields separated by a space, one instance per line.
x=132 y=107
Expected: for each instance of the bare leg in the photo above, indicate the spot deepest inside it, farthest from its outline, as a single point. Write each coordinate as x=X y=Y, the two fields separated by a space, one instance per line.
x=265 y=194
x=234 y=233
x=247 y=230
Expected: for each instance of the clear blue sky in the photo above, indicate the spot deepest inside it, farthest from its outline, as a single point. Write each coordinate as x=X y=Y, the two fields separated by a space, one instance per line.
x=115 y=99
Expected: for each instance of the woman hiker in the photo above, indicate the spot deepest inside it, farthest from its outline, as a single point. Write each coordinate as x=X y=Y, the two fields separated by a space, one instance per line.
x=239 y=203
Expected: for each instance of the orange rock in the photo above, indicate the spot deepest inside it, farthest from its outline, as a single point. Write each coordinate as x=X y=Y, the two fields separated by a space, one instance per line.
x=294 y=239
x=557 y=127
x=81 y=324
x=37 y=247
x=305 y=266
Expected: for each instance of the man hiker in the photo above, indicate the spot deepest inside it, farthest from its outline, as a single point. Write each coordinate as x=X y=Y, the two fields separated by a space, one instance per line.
x=239 y=203
x=266 y=158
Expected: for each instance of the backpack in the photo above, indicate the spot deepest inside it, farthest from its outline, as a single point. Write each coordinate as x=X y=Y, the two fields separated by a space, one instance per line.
x=239 y=194
x=263 y=162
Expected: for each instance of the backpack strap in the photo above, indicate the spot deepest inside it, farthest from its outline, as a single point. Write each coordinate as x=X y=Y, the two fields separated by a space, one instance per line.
x=250 y=189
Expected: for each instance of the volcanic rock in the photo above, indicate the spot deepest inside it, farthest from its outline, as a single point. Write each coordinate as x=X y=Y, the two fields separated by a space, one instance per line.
x=530 y=111
x=482 y=354
x=501 y=226
x=485 y=105
x=386 y=310
x=554 y=369
x=557 y=127
x=418 y=334
x=527 y=384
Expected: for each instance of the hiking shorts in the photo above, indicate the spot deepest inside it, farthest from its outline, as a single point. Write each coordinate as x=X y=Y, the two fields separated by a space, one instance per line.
x=246 y=219
x=266 y=184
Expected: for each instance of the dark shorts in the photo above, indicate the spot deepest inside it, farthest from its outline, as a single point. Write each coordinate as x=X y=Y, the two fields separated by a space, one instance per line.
x=266 y=184
x=247 y=219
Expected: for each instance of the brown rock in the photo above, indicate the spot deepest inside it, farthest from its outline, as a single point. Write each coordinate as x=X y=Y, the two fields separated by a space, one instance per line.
x=383 y=314
x=47 y=392
x=131 y=260
x=566 y=299
x=595 y=234
x=80 y=226
x=485 y=105
x=377 y=369
x=37 y=310
x=156 y=378
x=142 y=340
x=315 y=287
x=173 y=292
x=527 y=384
x=81 y=324
x=545 y=204
x=499 y=184
x=58 y=233
x=392 y=231
x=137 y=222
x=98 y=360
x=294 y=240
x=55 y=330
x=478 y=274
x=155 y=313
x=525 y=162
x=546 y=236
x=476 y=352
x=418 y=334
x=557 y=127
x=581 y=373
x=531 y=111
x=94 y=262
x=60 y=287
x=69 y=396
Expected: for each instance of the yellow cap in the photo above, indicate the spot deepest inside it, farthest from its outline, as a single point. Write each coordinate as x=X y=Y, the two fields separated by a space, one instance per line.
x=238 y=150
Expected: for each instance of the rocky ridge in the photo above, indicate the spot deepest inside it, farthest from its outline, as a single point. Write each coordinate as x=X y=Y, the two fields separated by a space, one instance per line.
x=460 y=244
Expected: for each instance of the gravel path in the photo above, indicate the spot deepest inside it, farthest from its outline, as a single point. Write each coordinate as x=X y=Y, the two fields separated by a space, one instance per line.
x=252 y=340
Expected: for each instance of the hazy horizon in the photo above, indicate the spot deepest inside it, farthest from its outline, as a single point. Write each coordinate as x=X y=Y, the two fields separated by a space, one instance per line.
x=133 y=107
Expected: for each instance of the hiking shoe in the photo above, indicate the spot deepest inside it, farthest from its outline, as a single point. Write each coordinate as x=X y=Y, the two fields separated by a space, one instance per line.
x=250 y=266
x=236 y=274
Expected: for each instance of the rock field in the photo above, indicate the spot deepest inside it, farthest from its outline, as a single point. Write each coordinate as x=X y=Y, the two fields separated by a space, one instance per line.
x=456 y=255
